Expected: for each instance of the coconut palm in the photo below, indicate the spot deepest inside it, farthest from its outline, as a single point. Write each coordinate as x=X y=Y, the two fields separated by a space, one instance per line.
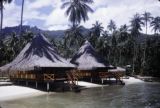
x=77 y=10
x=73 y=38
x=97 y=28
x=124 y=28
x=21 y=17
x=155 y=24
x=14 y=45
x=2 y=2
x=146 y=17
x=136 y=23
x=123 y=33
x=112 y=26
x=105 y=34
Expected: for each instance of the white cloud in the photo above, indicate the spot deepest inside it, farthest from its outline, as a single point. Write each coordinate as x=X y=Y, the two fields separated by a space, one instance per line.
x=37 y=4
x=57 y=17
x=120 y=11
x=12 y=12
x=11 y=15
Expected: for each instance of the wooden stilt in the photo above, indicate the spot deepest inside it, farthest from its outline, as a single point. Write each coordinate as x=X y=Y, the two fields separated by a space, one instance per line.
x=47 y=86
x=91 y=80
x=18 y=82
x=36 y=84
x=102 y=80
x=116 y=80
x=26 y=83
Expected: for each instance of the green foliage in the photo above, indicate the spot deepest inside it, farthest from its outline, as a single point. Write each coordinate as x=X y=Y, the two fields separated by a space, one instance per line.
x=121 y=46
x=10 y=47
x=77 y=10
x=155 y=24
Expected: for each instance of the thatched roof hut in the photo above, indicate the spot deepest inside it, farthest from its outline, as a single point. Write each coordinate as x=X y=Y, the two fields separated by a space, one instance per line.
x=38 y=53
x=88 y=59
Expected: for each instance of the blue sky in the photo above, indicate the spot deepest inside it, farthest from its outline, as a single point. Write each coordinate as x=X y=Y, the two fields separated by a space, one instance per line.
x=47 y=14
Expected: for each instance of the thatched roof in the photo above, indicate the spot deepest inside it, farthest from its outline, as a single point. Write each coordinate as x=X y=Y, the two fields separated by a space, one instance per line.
x=88 y=59
x=38 y=53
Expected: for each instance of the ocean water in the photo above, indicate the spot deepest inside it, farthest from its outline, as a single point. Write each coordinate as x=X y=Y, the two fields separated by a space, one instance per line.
x=143 y=95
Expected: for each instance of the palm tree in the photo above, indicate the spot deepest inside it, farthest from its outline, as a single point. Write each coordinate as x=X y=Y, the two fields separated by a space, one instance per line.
x=112 y=26
x=21 y=17
x=146 y=18
x=77 y=10
x=105 y=34
x=14 y=45
x=73 y=38
x=136 y=23
x=97 y=28
x=2 y=7
x=123 y=33
x=155 y=24
x=95 y=33
x=124 y=28
x=114 y=50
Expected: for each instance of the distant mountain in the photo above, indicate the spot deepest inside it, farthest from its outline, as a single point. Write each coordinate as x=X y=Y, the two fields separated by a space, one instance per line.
x=7 y=31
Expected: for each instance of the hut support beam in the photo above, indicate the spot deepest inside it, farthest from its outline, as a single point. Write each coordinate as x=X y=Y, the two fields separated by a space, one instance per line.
x=47 y=86
x=91 y=80
x=18 y=82
x=26 y=83
x=36 y=84
x=102 y=80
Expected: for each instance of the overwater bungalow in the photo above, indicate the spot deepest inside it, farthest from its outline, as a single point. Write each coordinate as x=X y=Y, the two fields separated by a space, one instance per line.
x=91 y=65
x=38 y=62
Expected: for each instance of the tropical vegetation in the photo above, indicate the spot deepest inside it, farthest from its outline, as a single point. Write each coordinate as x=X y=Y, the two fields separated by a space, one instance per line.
x=121 y=46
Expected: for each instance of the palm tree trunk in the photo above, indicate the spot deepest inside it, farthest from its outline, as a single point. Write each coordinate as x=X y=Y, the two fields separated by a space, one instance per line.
x=109 y=55
x=21 y=17
x=120 y=57
x=134 y=59
x=144 y=53
x=1 y=6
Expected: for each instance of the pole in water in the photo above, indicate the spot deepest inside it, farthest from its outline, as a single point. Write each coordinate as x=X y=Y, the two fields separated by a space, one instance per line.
x=36 y=84
x=26 y=83
x=18 y=82
x=47 y=86
x=91 y=79
x=102 y=80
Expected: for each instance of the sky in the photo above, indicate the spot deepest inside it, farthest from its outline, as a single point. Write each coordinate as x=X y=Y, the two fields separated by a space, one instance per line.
x=48 y=15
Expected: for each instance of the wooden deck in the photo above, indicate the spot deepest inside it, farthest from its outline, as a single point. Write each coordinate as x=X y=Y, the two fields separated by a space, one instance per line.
x=100 y=75
x=71 y=77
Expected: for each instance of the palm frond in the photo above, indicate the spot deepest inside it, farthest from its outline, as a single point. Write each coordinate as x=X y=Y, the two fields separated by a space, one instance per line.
x=87 y=1
x=64 y=5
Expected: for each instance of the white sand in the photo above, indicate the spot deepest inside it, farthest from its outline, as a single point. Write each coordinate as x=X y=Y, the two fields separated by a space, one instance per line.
x=128 y=81
x=88 y=85
x=5 y=83
x=16 y=92
x=132 y=80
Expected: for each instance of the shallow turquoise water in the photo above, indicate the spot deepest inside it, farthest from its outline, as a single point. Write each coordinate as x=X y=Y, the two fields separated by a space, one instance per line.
x=144 y=95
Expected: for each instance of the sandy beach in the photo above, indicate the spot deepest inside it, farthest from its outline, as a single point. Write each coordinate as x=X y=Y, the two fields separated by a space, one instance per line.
x=16 y=92
x=128 y=81
x=132 y=80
